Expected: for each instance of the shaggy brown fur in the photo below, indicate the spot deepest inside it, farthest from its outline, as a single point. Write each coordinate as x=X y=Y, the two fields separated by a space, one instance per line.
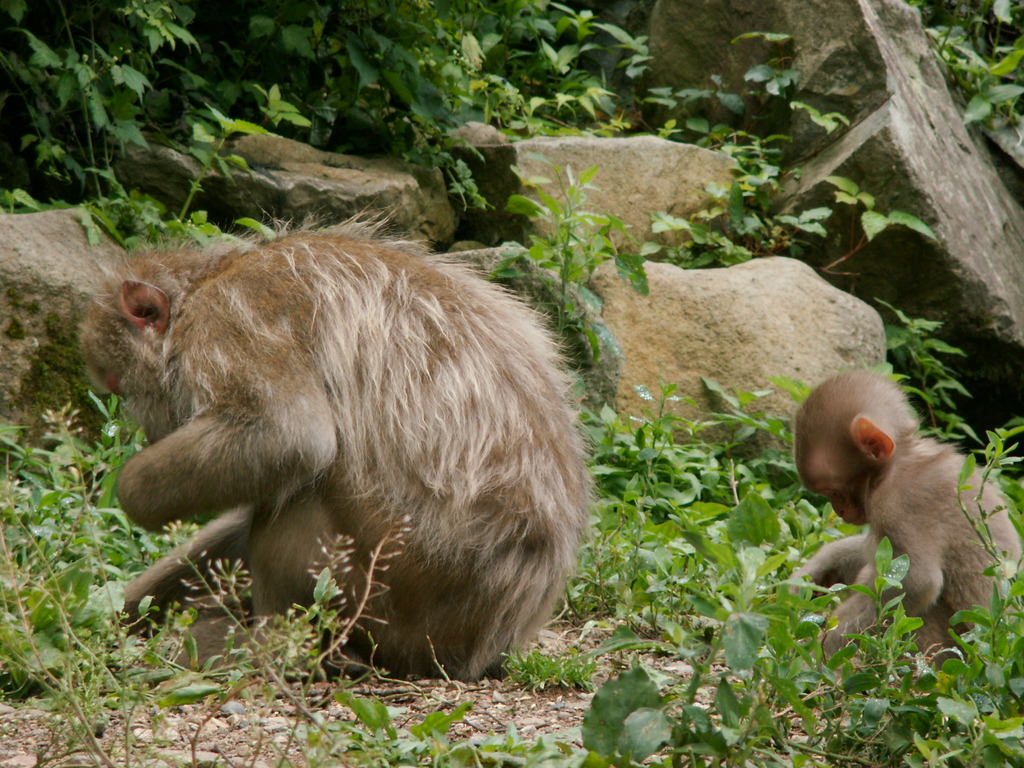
x=334 y=384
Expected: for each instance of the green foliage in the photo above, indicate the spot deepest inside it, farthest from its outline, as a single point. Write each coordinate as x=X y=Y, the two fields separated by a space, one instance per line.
x=917 y=354
x=982 y=45
x=735 y=228
x=715 y=110
x=696 y=535
x=740 y=223
x=871 y=221
x=207 y=146
x=64 y=546
x=760 y=691
x=662 y=486
x=387 y=76
x=537 y=670
x=575 y=243
x=82 y=96
x=529 y=63
x=625 y=723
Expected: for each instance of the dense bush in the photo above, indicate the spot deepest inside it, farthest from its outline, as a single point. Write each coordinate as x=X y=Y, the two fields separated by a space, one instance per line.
x=392 y=76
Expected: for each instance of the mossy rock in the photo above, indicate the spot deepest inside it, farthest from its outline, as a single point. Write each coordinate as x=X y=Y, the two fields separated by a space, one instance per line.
x=48 y=268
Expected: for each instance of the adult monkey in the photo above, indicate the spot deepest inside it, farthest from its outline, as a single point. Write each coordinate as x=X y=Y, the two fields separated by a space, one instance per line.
x=856 y=442
x=336 y=384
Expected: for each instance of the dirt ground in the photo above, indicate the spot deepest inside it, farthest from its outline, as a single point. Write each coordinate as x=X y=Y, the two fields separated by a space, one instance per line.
x=258 y=734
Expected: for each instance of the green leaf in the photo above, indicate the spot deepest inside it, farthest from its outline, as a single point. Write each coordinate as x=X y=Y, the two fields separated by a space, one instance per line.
x=326 y=588
x=370 y=712
x=127 y=131
x=1009 y=64
x=247 y=128
x=295 y=39
x=844 y=184
x=268 y=234
x=437 y=723
x=698 y=125
x=16 y=8
x=771 y=37
x=860 y=681
x=874 y=710
x=67 y=87
x=42 y=55
x=997 y=94
x=742 y=639
x=630 y=266
x=753 y=520
x=522 y=205
x=731 y=101
x=644 y=732
x=368 y=73
x=261 y=26
x=134 y=79
x=605 y=721
x=624 y=639
x=588 y=175
x=735 y=206
x=178 y=32
x=967 y=469
x=189 y=693
x=727 y=705
x=1002 y=11
x=883 y=554
x=911 y=222
x=815 y=214
x=814 y=229
x=897 y=569
x=759 y=74
x=977 y=109
x=873 y=222
x=961 y=711
x=974 y=616
x=714 y=386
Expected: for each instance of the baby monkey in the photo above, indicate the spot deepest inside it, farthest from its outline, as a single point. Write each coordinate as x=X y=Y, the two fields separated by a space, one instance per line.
x=856 y=443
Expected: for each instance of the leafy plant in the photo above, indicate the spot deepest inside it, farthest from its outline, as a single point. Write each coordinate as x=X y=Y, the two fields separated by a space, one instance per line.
x=982 y=45
x=731 y=232
x=716 y=110
x=537 y=670
x=392 y=76
x=917 y=353
x=872 y=222
x=576 y=241
x=206 y=148
x=65 y=77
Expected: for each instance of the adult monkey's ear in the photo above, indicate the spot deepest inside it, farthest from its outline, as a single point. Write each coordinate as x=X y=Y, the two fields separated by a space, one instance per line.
x=145 y=306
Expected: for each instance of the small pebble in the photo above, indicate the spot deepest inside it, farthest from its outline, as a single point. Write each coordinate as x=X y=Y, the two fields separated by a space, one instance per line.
x=233 y=707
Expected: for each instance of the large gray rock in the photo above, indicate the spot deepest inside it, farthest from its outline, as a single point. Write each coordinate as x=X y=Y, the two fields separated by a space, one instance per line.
x=841 y=66
x=637 y=175
x=293 y=181
x=1008 y=156
x=914 y=154
x=47 y=273
x=738 y=326
x=907 y=145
